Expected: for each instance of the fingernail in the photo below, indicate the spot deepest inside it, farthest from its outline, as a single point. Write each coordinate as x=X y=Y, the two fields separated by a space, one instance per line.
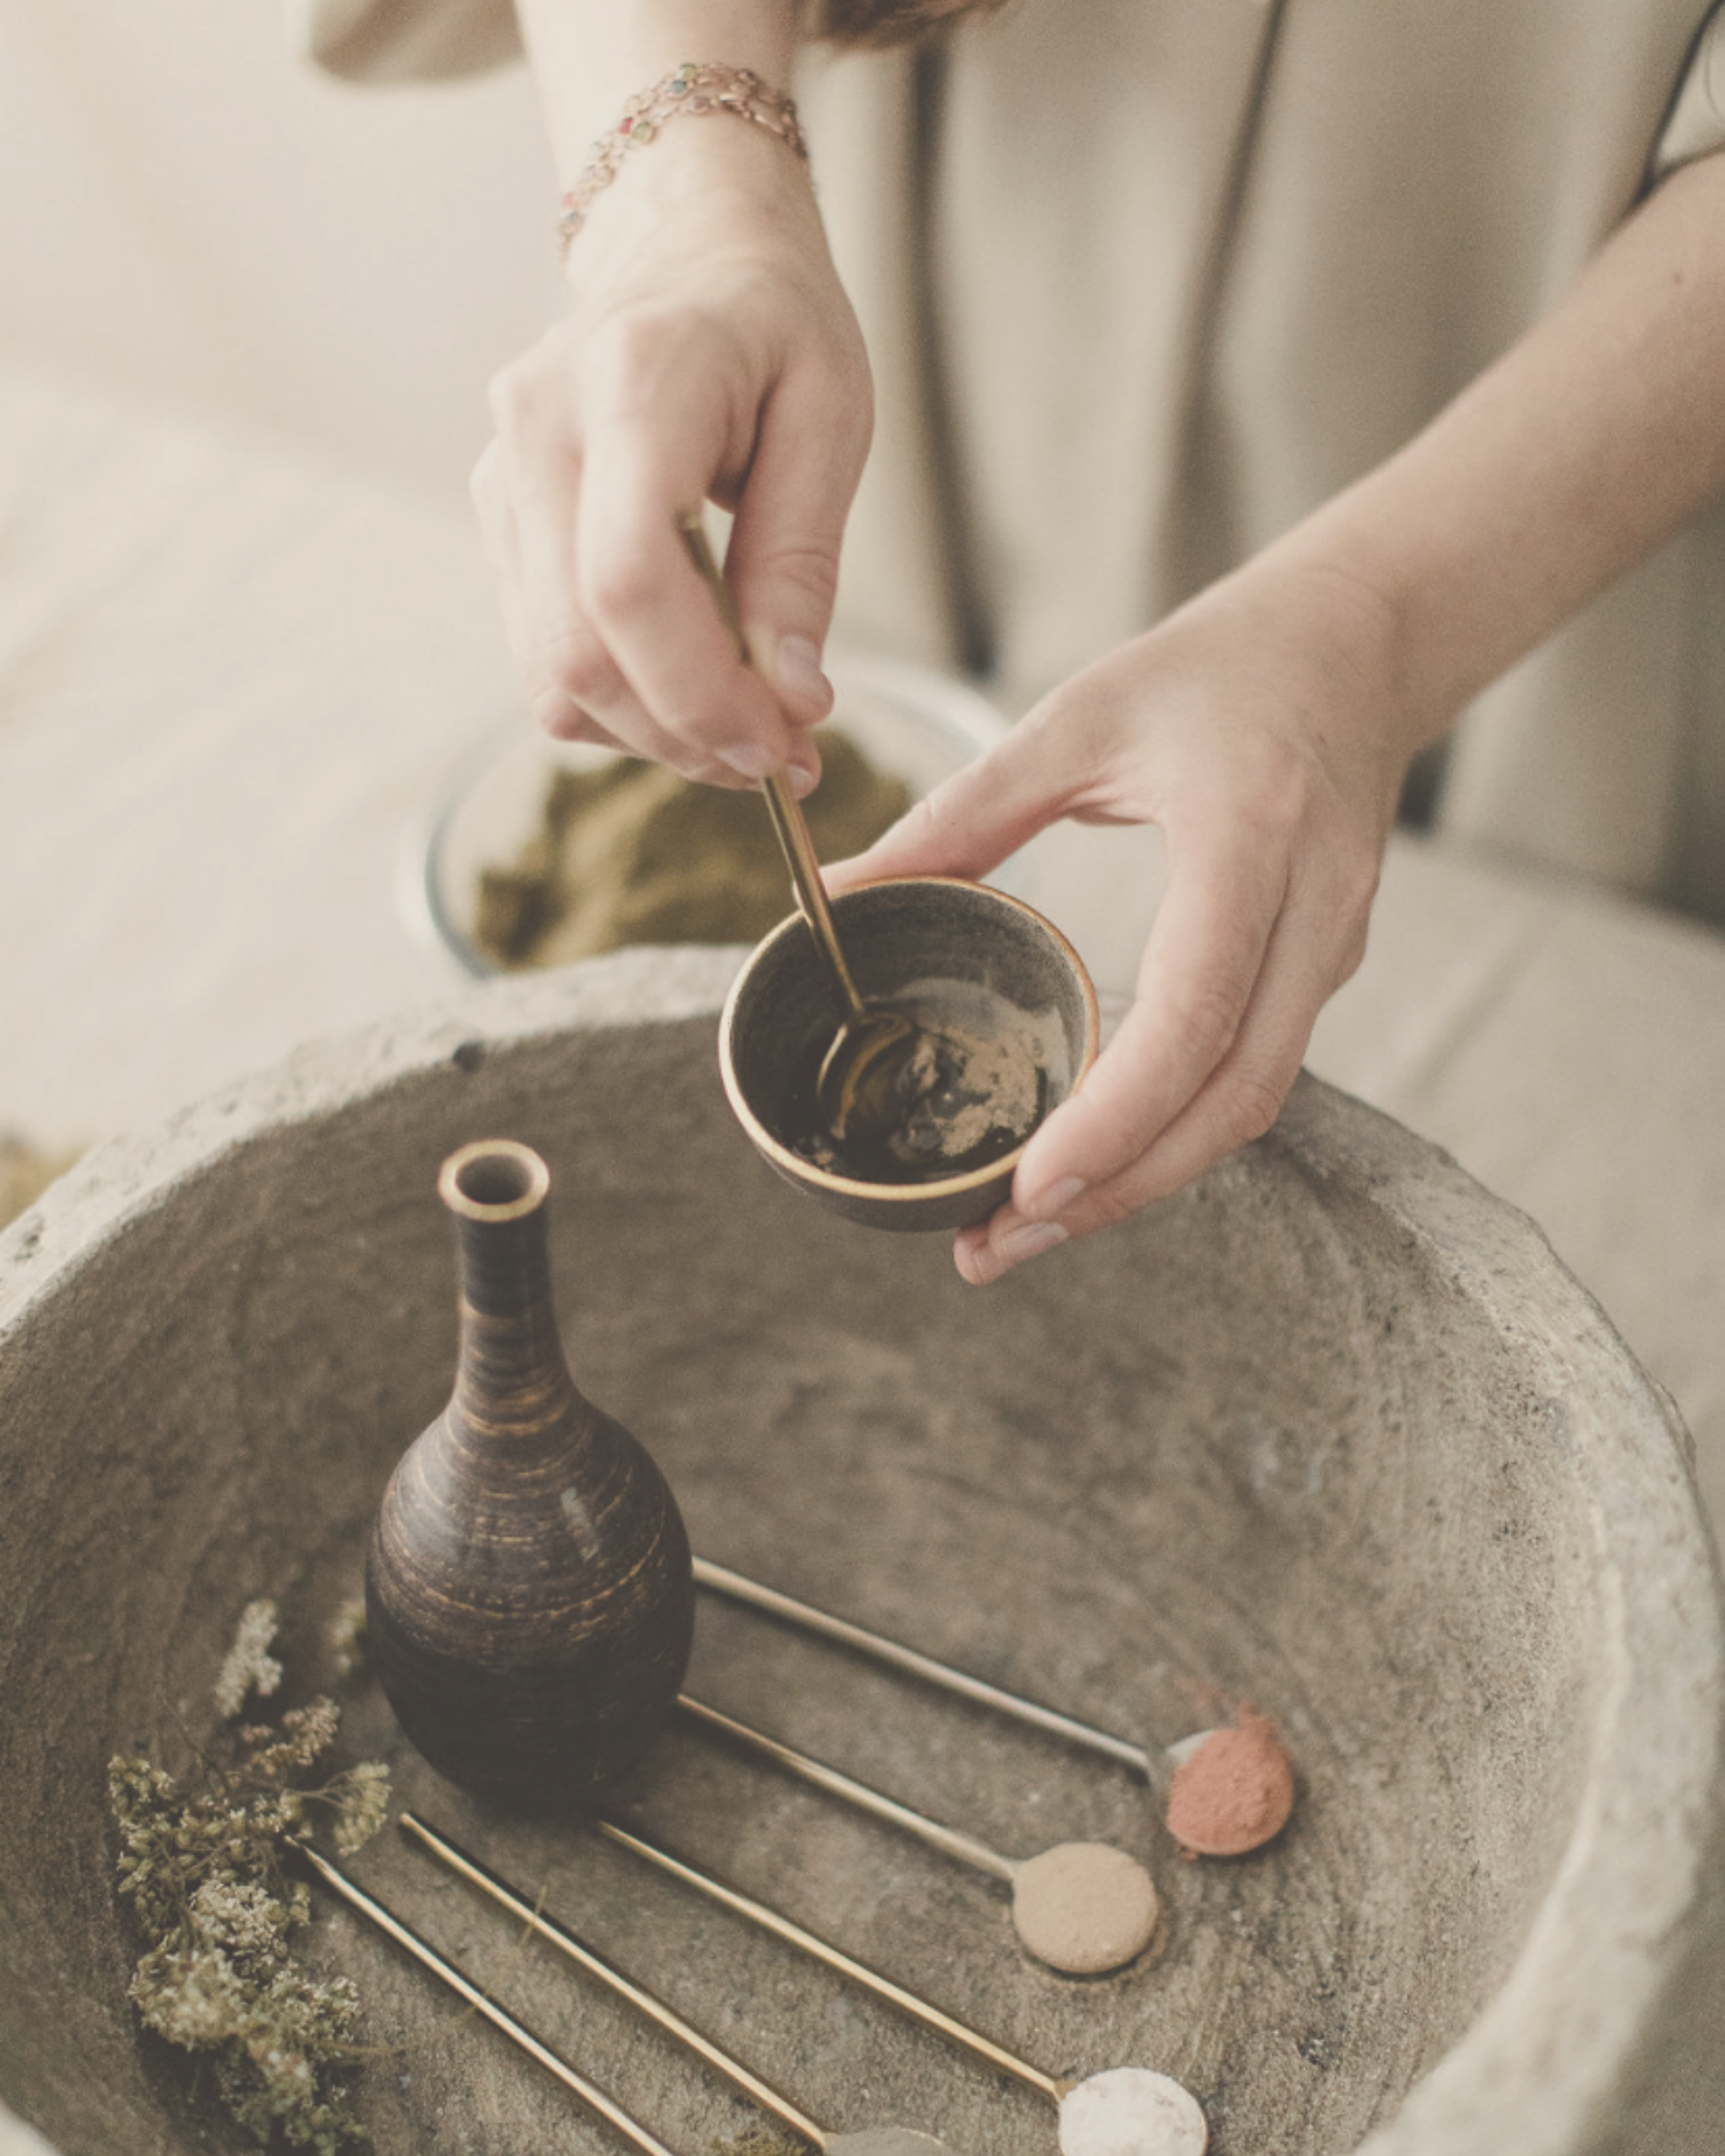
x=802 y=780
x=1029 y=1241
x=796 y=665
x=1049 y=1204
x=746 y=760
x=983 y=1265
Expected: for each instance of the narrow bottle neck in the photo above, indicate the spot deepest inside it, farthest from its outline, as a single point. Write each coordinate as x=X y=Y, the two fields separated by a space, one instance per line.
x=512 y=1371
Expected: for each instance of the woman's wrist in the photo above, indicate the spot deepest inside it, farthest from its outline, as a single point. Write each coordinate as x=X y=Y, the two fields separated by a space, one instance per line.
x=714 y=180
x=692 y=91
x=591 y=58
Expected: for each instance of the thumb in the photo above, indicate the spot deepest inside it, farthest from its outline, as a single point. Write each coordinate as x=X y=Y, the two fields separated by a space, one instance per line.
x=968 y=824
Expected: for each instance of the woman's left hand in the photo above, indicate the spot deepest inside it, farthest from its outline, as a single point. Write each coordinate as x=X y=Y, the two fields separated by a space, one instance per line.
x=1265 y=727
x=1258 y=728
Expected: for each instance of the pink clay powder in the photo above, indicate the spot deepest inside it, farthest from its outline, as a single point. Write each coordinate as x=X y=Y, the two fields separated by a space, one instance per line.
x=1236 y=1791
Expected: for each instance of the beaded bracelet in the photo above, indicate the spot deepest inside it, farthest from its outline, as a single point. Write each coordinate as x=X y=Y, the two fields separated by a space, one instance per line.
x=695 y=86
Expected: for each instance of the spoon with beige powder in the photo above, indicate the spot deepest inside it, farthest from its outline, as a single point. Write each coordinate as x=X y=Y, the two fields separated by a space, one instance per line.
x=1229 y=1790
x=867 y=2141
x=1083 y=1907
x=1120 y=2110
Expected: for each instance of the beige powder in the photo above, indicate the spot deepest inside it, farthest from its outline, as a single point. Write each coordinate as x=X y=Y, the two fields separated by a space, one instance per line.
x=1084 y=1907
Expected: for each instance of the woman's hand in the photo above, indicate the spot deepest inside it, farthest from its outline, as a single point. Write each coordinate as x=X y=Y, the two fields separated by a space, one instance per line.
x=1258 y=728
x=710 y=355
x=1265 y=727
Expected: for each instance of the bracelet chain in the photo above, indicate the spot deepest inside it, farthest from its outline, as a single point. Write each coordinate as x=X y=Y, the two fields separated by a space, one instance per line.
x=697 y=86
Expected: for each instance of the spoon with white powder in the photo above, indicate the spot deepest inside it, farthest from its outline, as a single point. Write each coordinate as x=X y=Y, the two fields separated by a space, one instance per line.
x=1084 y=1907
x=1122 y=2110
x=1251 y=1789
x=870 y=2141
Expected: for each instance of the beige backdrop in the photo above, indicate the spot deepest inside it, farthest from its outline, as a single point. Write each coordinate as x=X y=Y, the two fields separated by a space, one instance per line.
x=188 y=211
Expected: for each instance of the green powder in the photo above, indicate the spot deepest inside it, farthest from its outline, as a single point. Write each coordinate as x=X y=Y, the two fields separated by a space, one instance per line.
x=632 y=853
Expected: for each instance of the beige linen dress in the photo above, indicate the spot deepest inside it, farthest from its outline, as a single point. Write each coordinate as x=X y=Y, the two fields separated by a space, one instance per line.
x=1145 y=280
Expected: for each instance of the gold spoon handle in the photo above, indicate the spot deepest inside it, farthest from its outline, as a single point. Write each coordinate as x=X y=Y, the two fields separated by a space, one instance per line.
x=792 y=1935
x=793 y=829
x=663 y=2017
x=723 y=1581
x=788 y=820
x=948 y=1838
x=517 y=2031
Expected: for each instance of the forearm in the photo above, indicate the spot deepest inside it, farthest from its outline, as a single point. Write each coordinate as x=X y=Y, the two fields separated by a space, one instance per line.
x=1594 y=437
x=590 y=56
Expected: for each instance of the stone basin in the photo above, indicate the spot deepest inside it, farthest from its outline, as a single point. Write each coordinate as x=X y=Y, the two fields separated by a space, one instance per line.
x=1332 y=1433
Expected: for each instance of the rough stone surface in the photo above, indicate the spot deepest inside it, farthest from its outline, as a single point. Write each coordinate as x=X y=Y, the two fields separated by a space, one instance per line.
x=1332 y=1433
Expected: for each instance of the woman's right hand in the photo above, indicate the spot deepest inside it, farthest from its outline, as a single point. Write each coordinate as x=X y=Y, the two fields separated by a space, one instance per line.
x=711 y=354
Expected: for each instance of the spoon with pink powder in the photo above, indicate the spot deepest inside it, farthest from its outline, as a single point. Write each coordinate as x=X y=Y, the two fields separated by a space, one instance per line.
x=1083 y=1907
x=1229 y=1790
x=1120 y=2110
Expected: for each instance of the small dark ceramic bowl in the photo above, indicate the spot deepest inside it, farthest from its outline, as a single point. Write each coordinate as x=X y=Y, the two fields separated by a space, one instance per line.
x=895 y=936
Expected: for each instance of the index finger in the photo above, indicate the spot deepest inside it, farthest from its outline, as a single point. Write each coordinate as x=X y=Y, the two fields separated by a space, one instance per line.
x=644 y=593
x=1200 y=967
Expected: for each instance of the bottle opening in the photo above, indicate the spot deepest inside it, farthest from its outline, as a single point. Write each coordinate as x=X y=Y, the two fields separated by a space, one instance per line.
x=494 y=1179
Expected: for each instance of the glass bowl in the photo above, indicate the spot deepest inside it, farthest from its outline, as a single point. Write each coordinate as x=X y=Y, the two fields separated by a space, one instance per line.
x=910 y=723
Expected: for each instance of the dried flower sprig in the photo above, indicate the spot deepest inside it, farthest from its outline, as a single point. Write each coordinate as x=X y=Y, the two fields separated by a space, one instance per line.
x=204 y=1869
x=249 y=1667
x=345 y=1636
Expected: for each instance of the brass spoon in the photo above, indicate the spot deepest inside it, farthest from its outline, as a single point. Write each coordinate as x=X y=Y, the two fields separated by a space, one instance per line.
x=1157 y=1764
x=870 y=2141
x=1083 y=1907
x=856 y=1088
x=1134 y=2107
x=518 y=2032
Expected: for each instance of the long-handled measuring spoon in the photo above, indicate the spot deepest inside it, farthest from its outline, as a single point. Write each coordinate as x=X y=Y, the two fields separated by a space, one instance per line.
x=1120 y=2111
x=1250 y=1827
x=1081 y=1906
x=518 y=2032
x=870 y=2141
x=856 y=1088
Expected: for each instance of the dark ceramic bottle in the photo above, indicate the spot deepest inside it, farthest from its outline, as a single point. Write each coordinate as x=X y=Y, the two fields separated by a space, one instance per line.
x=530 y=1605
